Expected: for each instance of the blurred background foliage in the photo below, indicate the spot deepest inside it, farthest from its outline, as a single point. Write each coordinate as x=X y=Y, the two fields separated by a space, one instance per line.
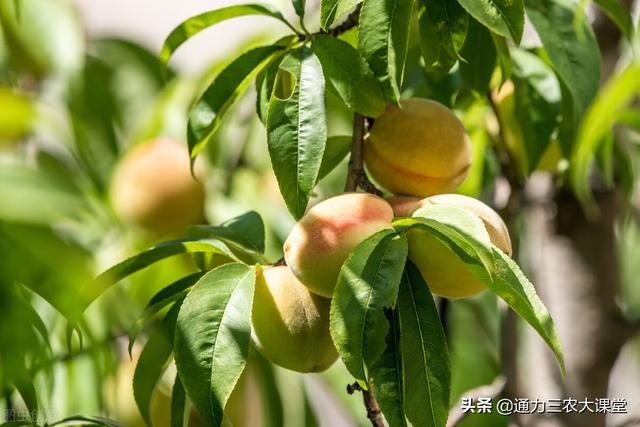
x=72 y=106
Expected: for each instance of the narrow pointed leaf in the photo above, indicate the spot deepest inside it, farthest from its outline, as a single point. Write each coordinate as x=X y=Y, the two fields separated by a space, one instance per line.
x=213 y=337
x=387 y=374
x=368 y=283
x=612 y=101
x=504 y=17
x=383 y=39
x=227 y=87
x=297 y=129
x=144 y=259
x=89 y=420
x=298 y=6
x=332 y=10
x=153 y=361
x=510 y=284
x=265 y=81
x=178 y=403
x=480 y=58
x=574 y=55
x=443 y=30
x=337 y=148
x=537 y=103
x=349 y=74
x=469 y=240
x=504 y=56
x=195 y=24
x=463 y=228
x=243 y=235
x=425 y=356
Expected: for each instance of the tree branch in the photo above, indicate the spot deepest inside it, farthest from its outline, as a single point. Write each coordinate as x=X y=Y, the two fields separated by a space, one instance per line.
x=374 y=413
x=356 y=176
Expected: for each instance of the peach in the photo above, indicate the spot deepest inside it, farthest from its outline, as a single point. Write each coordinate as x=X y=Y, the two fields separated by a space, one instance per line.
x=291 y=323
x=444 y=272
x=325 y=236
x=152 y=187
x=418 y=149
x=403 y=205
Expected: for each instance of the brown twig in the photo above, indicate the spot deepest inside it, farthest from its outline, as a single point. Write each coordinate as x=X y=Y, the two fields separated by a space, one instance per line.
x=374 y=413
x=356 y=176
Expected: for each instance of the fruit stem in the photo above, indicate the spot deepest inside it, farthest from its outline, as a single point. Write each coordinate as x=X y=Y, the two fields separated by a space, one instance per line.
x=356 y=176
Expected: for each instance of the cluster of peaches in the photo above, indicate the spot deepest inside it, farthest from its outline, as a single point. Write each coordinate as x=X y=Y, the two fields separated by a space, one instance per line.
x=419 y=151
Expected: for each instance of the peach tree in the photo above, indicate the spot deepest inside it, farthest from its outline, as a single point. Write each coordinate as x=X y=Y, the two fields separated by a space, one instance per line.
x=359 y=272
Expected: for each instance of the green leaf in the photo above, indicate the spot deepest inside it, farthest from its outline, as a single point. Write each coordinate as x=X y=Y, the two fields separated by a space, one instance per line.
x=153 y=361
x=195 y=24
x=244 y=235
x=383 y=39
x=265 y=81
x=213 y=336
x=298 y=6
x=537 y=103
x=268 y=382
x=387 y=375
x=504 y=56
x=178 y=403
x=349 y=74
x=425 y=356
x=480 y=56
x=458 y=226
x=368 y=282
x=510 y=284
x=504 y=17
x=574 y=55
x=17 y=114
x=618 y=13
x=144 y=259
x=465 y=235
x=332 y=10
x=609 y=106
x=172 y=293
x=443 y=29
x=297 y=129
x=227 y=87
x=336 y=150
x=90 y=420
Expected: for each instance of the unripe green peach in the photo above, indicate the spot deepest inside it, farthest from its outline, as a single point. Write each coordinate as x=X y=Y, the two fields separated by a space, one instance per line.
x=418 y=149
x=291 y=323
x=323 y=239
x=152 y=187
x=444 y=272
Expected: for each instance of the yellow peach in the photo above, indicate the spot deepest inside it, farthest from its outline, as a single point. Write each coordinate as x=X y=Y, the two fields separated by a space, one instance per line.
x=444 y=272
x=418 y=149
